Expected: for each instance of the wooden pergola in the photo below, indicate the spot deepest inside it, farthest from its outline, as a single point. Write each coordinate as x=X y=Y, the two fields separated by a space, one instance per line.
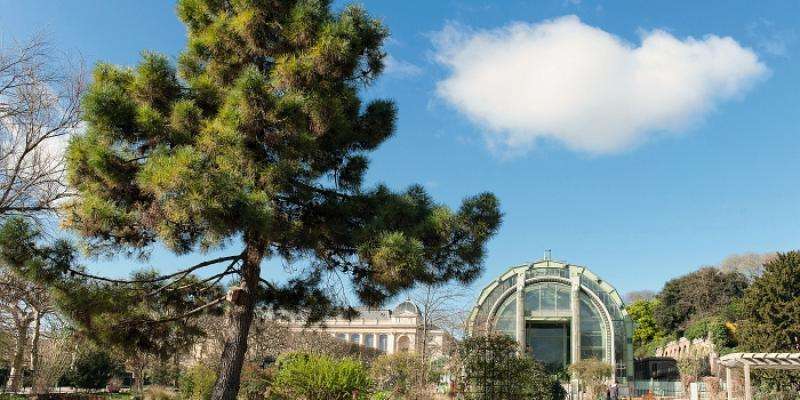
x=748 y=361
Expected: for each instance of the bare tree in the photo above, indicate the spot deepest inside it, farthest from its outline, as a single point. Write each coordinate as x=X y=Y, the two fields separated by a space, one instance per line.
x=22 y=304
x=637 y=295
x=749 y=264
x=39 y=109
x=438 y=306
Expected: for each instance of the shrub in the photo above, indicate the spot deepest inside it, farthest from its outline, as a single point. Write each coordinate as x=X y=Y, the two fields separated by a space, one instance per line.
x=397 y=373
x=493 y=371
x=255 y=382
x=712 y=327
x=158 y=392
x=198 y=383
x=592 y=375
x=310 y=377
x=92 y=369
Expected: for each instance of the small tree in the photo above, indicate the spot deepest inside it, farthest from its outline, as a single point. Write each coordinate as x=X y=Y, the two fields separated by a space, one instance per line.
x=93 y=368
x=398 y=374
x=491 y=369
x=593 y=375
x=693 y=366
x=438 y=308
x=39 y=109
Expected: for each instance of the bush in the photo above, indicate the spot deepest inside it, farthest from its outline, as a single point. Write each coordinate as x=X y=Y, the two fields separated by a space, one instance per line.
x=310 y=377
x=493 y=371
x=93 y=369
x=158 y=392
x=396 y=373
x=713 y=328
x=255 y=382
x=198 y=383
x=592 y=375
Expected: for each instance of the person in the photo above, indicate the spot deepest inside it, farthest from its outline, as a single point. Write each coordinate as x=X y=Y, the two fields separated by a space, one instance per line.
x=614 y=391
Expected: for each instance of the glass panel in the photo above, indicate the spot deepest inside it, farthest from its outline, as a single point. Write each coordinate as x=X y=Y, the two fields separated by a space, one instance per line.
x=369 y=340
x=532 y=300
x=563 y=300
x=506 y=320
x=549 y=343
x=341 y=336
x=548 y=298
x=592 y=335
x=355 y=338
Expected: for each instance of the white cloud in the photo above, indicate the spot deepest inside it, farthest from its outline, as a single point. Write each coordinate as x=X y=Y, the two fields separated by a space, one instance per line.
x=771 y=39
x=400 y=68
x=584 y=87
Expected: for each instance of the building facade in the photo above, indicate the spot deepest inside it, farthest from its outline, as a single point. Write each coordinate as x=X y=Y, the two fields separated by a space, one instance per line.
x=390 y=331
x=559 y=313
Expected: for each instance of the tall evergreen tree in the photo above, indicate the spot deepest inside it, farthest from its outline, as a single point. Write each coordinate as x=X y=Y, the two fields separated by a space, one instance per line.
x=771 y=308
x=259 y=140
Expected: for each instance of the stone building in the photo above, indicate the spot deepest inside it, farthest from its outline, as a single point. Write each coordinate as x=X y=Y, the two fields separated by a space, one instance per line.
x=559 y=313
x=390 y=331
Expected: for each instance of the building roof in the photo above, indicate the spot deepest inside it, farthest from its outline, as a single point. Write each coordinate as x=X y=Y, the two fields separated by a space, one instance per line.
x=762 y=360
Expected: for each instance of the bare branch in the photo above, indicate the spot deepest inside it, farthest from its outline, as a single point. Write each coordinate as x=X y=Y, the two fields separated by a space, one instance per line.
x=39 y=110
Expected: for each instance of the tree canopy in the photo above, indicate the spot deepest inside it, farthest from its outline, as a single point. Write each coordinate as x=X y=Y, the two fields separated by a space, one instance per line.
x=771 y=308
x=698 y=294
x=258 y=140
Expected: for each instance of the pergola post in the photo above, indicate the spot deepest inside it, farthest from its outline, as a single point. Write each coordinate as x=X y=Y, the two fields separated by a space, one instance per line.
x=748 y=391
x=729 y=383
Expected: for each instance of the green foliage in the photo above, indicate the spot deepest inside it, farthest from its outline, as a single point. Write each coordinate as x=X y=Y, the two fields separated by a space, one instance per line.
x=255 y=382
x=93 y=368
x=772 y=307
x=259 y=132
x=493 y=370
x=308 y=377
x=259 y=138
x=646 y=330
x=397 y=373
x=771 y=311
x=592 y=375
x=110 y=315
x=698 y=294
x=197 y=383
x=714 y=328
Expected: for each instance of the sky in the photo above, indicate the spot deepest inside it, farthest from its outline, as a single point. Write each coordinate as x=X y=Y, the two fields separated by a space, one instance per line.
x=639 y=139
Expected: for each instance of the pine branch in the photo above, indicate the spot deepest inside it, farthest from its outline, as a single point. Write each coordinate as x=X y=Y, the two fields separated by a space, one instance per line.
x=161 y=278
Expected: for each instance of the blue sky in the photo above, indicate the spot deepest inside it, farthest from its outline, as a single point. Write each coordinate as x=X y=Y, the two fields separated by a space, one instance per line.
x=638 y=212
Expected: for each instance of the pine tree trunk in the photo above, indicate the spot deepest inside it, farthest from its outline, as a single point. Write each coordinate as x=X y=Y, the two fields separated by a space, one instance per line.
x=16 y=373
x=239 y=316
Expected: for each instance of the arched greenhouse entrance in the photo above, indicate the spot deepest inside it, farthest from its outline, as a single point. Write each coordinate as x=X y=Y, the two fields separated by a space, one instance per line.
x=558 y=313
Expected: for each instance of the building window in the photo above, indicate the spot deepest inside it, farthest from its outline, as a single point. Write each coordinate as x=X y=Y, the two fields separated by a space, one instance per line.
x=355 y=338
x=341 y=336
x=403 y=344
x=369 y=340
x=383 y=343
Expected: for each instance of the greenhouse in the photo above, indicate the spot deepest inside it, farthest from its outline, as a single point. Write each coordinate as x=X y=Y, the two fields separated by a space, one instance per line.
x=559 y=313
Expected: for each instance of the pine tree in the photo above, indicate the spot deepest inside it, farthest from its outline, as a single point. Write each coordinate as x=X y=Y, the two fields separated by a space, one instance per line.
x=258 y=140
x=771 y=307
